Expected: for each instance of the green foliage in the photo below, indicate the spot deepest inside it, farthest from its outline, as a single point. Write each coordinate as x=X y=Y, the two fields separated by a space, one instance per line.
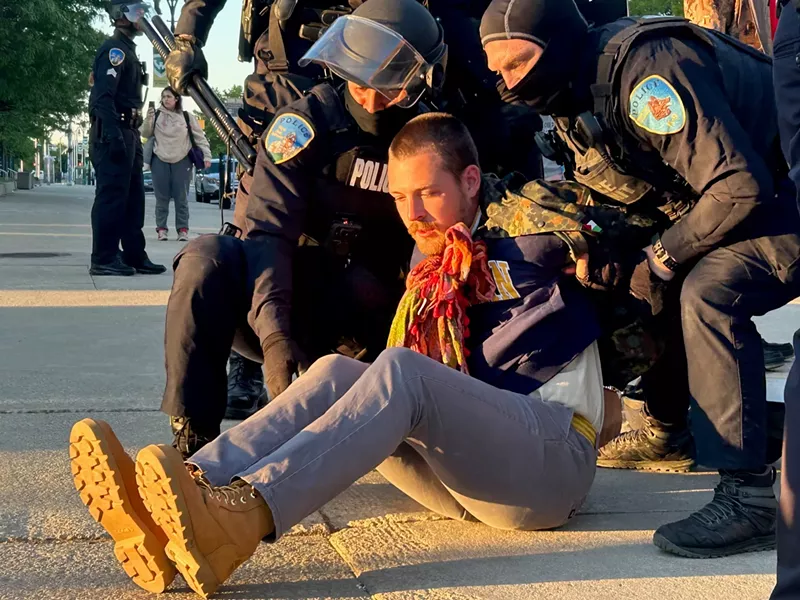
x=639 y=8
x=46 y=52
x=217 y=145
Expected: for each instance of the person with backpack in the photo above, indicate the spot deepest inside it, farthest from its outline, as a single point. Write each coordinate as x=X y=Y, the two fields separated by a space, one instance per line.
x=179 y=145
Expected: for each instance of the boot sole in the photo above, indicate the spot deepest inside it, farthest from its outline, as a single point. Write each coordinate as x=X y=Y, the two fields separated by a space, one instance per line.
x=758 y=544
x=660 y=466
x=104 y=476
x=158 y=476
x=151 y=271
x=105 y=273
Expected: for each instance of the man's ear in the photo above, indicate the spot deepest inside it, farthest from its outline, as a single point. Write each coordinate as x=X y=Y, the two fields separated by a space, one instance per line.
x=471 y=180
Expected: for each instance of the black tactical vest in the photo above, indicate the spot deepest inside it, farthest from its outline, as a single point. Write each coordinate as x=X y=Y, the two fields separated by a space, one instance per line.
x=603 y=155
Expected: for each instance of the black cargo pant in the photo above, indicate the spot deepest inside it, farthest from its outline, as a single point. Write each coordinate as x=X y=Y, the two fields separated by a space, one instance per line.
x=118 y=209
x=786 y=79
x=719 y=352
x=207 y=315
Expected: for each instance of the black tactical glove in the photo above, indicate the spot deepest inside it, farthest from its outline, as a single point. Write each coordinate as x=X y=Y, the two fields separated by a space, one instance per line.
x=116 y=148
x=183 y=63
x=605 y=270
x=282 y=359
x=648 y=287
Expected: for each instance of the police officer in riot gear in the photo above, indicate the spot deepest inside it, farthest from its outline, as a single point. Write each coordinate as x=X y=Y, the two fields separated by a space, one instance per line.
x=662 y=115
x=116 y=150
x=275 y=35
x=277 y=80
x=322 y=266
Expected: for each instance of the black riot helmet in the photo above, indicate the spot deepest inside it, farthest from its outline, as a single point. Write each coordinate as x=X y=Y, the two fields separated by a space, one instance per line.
x=395 y=47
x=124 y=9
x=555 y=25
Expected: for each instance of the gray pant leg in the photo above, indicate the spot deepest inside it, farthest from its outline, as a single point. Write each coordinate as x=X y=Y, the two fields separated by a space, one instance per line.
x=447 y=417
x=162 y=186
x=406 y=470
x=179 y=190
x=311 y=396
x=307 y=399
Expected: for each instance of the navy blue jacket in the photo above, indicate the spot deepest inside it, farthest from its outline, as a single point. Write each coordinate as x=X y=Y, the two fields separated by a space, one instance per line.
x=539 y=320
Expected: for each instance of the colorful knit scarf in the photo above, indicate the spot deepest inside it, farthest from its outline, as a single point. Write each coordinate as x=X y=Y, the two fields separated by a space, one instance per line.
x=431 y=318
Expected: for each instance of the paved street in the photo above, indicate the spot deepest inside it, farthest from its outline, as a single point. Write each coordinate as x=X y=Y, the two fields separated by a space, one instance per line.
x=73 y=346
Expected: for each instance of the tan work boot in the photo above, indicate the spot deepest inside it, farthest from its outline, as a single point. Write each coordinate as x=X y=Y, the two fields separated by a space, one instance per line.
x=211 y=530
x=104 y=476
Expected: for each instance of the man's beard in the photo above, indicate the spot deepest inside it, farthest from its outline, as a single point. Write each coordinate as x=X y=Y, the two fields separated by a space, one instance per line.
x=429 y=245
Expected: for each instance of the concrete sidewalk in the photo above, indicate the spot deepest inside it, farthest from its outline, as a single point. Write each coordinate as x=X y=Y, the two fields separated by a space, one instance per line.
x=76 y=346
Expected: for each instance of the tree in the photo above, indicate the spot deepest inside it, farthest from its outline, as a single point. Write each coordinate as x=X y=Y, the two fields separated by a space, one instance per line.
x=640 y=8
x=46 y=52
x=217 y=145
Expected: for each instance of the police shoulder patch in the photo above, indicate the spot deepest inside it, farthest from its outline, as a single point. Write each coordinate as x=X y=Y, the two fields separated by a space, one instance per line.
x=116 y=56
x=656 y=107
x=288 y=135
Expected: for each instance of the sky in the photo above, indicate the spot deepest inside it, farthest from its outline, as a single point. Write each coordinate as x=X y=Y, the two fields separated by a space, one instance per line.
x=221 y=49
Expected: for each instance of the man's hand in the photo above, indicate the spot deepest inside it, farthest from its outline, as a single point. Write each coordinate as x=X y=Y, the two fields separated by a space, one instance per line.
x=282 y=359
x=206 y=163
x=646 y=286
x=601 y=269
x=184 y=62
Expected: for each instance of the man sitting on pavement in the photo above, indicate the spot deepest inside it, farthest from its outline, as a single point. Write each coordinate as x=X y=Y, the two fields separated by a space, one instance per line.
x=492 y=360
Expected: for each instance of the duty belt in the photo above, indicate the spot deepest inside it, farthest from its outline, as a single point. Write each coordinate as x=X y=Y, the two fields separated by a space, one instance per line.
x=131 y=117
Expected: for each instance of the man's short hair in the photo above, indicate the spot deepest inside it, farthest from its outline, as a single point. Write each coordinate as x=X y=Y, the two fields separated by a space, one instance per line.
x=440 y=133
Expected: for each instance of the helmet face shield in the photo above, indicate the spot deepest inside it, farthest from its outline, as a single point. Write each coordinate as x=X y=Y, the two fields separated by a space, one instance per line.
x=373 y=56
x=135 y=11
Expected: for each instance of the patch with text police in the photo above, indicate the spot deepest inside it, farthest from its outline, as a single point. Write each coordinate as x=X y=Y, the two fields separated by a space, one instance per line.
x=116 y=56
x=369 y=175
x=656 y=107
x=288 y=135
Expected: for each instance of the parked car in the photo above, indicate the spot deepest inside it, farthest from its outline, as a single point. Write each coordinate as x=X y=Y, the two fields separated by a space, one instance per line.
x=148 y=181
x=207 y=182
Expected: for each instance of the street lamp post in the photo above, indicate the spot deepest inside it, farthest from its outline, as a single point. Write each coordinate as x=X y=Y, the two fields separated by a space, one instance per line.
x=172 y=4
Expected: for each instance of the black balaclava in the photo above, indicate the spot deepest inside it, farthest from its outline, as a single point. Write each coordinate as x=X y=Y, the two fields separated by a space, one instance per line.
x=383 y=124
x=555 y=25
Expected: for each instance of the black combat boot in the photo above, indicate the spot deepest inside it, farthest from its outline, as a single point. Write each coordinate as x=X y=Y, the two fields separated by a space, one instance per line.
x=147 y=267
x=653 y=447
x=740 y=518
x=189 y=437
x=246 y=393
x=116 y=268
x=776 y=354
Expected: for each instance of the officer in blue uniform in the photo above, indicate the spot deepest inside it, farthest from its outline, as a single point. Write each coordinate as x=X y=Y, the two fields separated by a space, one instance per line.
x=665 y=117
x=325 y=254
x=116 y=150
x=786 y=77
x=275 y=35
